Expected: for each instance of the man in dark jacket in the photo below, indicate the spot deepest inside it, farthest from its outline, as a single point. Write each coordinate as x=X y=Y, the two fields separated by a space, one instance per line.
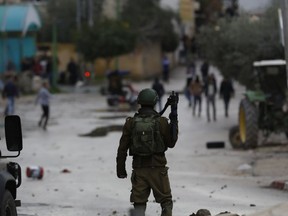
x=210 y=92
x=149 y=170
x=9 y=92
x=72 y=68
x=226 y=92
x=159 y=88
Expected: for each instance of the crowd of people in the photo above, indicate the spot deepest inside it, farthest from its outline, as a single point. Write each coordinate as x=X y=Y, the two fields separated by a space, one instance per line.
x=201 y=85
x=206 y=85
x=38 y=66
x=42 y=66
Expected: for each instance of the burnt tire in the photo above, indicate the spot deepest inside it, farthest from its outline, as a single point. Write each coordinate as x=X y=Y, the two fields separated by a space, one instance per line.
x=248 y=124
x=234 y=138
x=7 y=206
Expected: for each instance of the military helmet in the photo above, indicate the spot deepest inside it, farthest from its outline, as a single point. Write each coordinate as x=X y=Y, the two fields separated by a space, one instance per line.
x=148 y=97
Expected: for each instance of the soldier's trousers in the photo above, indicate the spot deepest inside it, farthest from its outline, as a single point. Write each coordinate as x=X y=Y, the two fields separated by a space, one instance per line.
x=156 y=179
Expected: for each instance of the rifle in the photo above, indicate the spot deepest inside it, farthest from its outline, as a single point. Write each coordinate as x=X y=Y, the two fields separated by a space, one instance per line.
x=172 y=101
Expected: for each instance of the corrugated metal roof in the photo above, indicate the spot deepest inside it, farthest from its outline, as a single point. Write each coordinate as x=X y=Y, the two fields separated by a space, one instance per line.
x=19 y=18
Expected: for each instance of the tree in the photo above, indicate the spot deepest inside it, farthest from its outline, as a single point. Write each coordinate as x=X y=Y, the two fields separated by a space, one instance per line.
x=151 y=23
x=137 y=24
x=63 y=14
x=107 y=39
x=139 y=21
x=208 y=13
x=233 y=45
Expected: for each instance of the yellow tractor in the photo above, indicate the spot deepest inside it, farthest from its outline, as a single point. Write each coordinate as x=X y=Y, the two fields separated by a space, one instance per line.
x=263 y=108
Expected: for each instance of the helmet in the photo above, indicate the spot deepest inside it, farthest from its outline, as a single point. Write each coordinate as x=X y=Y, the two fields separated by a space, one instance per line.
x=147 y=97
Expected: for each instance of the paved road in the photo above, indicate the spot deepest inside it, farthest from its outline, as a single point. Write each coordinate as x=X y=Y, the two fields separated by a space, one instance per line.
x=200 y=177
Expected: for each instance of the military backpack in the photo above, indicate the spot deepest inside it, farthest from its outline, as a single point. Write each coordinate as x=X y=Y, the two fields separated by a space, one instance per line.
x=146 y=138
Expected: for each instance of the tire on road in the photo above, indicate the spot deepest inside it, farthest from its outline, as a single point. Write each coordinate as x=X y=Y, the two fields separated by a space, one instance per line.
x=248 y=124
x=7 y=206
x=234 y=138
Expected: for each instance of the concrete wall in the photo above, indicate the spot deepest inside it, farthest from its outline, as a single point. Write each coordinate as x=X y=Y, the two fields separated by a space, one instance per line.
x=65 y=53
x=143 y=63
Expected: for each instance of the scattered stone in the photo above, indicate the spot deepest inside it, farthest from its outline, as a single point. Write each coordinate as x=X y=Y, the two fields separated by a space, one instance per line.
x=252 y=205
x=65 y=171
x=223 y=187
x=244 y=167
x=226 y=213
x=201 y=212
x=205 y=212
x=280 y=184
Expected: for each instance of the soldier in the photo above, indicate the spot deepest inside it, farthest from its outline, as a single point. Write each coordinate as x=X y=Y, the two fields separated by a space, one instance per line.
x=147 y=135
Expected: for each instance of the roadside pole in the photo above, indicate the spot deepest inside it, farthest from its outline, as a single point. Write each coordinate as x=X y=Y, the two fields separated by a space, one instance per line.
x=54 y=55
x=285 y=31
x=78 y=14
x=117 y=10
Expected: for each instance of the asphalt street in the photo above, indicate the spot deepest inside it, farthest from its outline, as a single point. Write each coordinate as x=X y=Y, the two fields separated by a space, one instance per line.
x=79 y=172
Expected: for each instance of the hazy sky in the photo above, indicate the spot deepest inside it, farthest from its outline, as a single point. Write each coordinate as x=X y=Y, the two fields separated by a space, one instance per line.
x=253 y=4
x=245 y=4
x=170 y=3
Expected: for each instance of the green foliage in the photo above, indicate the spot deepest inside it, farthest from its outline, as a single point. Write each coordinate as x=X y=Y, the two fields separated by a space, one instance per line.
x=169 y=41
x=63 y=13
x=106 y=39
x=139 y=21
x=151 y=23
x=233 y=45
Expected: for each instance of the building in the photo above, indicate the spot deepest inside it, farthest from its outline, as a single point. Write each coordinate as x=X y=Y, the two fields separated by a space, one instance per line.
x=18 y=24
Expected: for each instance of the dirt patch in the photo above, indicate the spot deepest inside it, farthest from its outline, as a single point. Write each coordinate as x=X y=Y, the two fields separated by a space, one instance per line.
x=116 y=109
x=113 y=117
x=102 y=131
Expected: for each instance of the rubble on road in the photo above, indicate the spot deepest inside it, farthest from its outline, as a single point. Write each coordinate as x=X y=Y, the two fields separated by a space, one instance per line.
x=205 y=212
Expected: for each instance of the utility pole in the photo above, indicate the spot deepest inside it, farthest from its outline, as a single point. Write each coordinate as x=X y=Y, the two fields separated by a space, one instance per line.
x=285 y=26
x=285 y=31
x=54 y=55
x=90 y=12
x=78 y=14
x=117 y=12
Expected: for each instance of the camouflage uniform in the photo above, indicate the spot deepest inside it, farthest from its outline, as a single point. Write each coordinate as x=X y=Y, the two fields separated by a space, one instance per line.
x=149 y=172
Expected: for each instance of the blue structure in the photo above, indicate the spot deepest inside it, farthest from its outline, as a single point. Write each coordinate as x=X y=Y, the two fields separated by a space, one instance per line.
x=18 y=24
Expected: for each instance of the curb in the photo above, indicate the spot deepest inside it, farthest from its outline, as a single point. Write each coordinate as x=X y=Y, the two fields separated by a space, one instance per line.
x=281 y=185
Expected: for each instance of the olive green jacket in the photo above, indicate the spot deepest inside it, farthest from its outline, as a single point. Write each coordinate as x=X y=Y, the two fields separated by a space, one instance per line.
x=156 y=160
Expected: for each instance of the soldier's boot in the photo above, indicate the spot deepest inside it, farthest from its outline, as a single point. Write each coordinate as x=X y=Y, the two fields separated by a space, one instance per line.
x=167 y=208
x=139 y=209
